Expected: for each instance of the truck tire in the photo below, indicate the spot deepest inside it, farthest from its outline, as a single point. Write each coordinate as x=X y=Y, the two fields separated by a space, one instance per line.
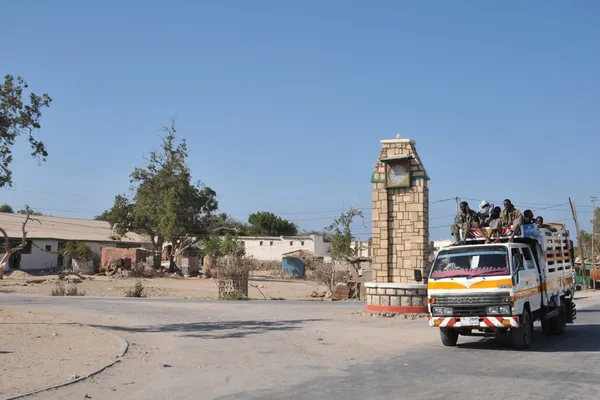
x=547 y=327
x=449 y=336
x=521 y=336
x=559 y=323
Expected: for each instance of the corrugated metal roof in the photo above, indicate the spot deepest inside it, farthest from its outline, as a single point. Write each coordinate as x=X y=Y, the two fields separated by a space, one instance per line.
x=42 y=227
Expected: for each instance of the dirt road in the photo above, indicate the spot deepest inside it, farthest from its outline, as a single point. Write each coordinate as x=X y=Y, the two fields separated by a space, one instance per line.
x=318 y=350
x=38 y=351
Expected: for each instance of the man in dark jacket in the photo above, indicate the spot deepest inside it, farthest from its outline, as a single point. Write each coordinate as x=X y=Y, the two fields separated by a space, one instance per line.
x=465 y=220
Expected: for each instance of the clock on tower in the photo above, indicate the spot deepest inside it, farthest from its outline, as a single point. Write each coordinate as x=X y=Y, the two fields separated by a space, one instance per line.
x=397 y=173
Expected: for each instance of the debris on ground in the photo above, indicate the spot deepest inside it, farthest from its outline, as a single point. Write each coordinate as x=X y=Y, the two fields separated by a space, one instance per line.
x=18 y=274
x=412 y=316
x=341 y=291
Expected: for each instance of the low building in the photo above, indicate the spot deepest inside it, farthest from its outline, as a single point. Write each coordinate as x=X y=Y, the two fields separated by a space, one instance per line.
x=47 y=235
x=272 y=248
x=440 y=244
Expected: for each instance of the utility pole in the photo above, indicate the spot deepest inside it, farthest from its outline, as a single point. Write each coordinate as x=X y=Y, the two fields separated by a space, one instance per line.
x=593 y=235
x=580 y=243
x=457 y=204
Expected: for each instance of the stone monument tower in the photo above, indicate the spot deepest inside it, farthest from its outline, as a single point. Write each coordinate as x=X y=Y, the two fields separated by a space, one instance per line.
x=400 y=230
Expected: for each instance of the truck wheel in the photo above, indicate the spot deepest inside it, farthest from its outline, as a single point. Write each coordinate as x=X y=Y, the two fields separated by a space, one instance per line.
x=449 y=336
x=547 y=327
x=559 y=323
x=521 y=336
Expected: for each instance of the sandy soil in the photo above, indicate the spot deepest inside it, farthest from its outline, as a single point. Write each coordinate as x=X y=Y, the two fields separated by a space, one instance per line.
x=38 y=351
x=181 y=288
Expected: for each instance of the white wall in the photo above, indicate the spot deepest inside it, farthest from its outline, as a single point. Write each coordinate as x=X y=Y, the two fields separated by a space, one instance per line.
x=39 y=259
x=440 y=244
x=273 y=248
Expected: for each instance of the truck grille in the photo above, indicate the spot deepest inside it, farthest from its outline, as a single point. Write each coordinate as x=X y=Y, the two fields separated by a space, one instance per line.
x=468 y=311
x=472 y=300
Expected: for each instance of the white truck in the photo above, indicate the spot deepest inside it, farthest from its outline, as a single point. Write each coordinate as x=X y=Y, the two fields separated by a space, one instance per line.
x=502 y=288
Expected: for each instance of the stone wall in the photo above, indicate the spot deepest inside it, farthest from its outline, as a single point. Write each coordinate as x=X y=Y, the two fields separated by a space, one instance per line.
x=396 y=297
x=400 y=218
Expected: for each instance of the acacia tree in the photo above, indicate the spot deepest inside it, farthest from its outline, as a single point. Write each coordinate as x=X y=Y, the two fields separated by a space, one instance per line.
x=9 y=251
x=341 y=238
x=268 y=224
x=222 y=223
x=586 y=238
x=164 y=203
x=19 y=118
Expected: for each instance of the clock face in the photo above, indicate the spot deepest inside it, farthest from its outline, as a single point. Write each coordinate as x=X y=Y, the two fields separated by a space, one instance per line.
x=397 y=174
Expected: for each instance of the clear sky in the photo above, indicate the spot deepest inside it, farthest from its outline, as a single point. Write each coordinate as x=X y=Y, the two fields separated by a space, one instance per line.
x=284 y=103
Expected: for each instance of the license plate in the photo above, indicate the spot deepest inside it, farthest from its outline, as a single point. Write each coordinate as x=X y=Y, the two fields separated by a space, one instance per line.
x=469 y=321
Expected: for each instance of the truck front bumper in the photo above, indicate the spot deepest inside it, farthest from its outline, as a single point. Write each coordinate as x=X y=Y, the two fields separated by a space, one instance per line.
x=484 y=322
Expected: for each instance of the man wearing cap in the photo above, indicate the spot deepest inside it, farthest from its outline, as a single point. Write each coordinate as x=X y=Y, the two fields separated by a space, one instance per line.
x=485 y=212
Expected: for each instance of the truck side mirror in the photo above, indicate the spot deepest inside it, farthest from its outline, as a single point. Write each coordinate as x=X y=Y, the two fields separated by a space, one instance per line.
x=418 y=275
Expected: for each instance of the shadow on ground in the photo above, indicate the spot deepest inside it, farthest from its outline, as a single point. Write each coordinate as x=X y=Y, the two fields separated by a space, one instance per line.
x=218 y=330
x=578 y=338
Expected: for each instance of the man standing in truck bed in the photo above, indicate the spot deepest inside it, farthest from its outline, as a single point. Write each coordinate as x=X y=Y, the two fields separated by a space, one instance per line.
x=512 y=218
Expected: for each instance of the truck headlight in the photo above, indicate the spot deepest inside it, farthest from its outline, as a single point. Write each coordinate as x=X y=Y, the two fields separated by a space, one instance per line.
x=441 y=310
x=498 y=310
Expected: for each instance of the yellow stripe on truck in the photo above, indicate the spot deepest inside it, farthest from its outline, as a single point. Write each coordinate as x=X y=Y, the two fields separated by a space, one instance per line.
x=527 y=292
x=487 y=284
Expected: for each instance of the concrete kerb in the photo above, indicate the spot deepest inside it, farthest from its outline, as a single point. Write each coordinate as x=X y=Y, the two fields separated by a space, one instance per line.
x=396 y=298
x=122 y=351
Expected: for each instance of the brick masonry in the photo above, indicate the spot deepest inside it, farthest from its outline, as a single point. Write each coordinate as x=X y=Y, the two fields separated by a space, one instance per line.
x=400 y=218
x=396 y=297
x=400 y=230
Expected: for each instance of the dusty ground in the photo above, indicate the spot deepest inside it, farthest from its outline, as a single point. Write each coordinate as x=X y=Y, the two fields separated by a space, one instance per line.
x=180 y=288
x=38 y=351
x=190 y=349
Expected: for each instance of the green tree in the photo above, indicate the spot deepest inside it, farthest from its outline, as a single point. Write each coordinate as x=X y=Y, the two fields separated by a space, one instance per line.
x=265 y=223
x=228 y=245
x=103 y=216
x=31 y=212
x=19 y=118
x=586 y=238
x=6 y=208
x=164 y=203
x=340 y=230
x=222 y=223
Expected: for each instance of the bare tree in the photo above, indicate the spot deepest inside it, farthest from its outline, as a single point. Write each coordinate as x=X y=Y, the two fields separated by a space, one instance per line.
x=8 y=251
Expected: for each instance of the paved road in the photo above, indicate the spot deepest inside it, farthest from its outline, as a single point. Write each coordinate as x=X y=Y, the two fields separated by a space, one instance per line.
x=308 y=350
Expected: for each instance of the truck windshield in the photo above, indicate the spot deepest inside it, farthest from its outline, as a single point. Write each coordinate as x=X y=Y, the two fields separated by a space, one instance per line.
x=480 y=261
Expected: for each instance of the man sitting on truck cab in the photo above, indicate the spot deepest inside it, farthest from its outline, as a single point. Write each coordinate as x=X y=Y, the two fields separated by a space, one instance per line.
x=488 y=217
x=465 y=220
x=512 y=218
x=539 y=221
x=528 y=217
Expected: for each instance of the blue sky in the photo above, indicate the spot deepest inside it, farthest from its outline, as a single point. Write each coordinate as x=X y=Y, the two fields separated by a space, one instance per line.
x=284 y=103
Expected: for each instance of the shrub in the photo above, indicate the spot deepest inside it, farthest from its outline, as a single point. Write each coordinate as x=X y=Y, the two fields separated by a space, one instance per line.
x=235 y=296
x=61 y=290
x=136 y=290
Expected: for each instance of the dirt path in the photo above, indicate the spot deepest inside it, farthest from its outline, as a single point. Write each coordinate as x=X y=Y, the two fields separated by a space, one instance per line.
x=38 y=351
